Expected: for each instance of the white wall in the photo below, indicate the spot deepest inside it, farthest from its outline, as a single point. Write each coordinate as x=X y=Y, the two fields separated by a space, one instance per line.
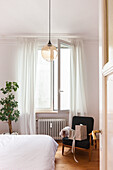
x=92 y=79
x=8 y=67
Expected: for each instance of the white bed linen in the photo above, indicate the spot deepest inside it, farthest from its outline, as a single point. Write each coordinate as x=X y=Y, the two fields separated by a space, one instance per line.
x=27 y=152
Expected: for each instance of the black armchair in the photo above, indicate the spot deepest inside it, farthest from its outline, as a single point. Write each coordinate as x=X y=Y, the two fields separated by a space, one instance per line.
x=84 y=144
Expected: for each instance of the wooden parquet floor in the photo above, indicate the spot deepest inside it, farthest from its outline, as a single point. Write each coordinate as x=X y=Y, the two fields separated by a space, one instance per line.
x=67 y=162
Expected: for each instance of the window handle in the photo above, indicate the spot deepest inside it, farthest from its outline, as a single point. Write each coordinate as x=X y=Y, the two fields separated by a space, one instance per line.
x=61 y=91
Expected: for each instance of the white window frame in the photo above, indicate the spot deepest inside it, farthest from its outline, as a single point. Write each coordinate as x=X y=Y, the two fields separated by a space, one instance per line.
x=60 y=42
x=51 y=109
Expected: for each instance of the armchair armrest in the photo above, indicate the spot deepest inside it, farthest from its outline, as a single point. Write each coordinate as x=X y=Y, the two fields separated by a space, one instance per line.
x=90 y=134
x=93 y=133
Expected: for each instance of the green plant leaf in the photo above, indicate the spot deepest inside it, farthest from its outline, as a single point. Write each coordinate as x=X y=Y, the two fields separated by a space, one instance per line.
x=8 y=104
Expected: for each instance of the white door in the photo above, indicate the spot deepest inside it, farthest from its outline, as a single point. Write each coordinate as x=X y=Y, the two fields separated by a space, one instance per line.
x=106 y=87
x=102 y=87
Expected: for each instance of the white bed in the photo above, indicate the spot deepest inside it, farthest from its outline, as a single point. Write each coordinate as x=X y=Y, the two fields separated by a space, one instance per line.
x=27 y=152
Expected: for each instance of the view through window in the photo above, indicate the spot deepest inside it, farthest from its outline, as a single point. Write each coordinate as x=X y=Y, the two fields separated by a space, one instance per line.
x=47 y=83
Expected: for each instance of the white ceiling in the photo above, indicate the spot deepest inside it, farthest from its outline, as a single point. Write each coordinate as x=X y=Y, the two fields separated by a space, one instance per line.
x=78 y=17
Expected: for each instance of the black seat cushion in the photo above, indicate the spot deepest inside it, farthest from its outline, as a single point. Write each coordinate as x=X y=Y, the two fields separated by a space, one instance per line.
x=81 y=144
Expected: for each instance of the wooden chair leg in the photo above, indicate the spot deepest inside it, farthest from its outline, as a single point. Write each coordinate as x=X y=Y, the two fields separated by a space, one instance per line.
x=62 y=149
x=90 y=149
x=98 y=144
x=95 y=144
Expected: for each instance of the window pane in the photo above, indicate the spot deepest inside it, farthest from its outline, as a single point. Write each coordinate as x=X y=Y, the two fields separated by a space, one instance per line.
x=43 y=96
x=65 y=79
x=55 y=84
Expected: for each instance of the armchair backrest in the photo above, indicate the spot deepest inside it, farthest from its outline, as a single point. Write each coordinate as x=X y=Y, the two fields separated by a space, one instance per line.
x=88 y=121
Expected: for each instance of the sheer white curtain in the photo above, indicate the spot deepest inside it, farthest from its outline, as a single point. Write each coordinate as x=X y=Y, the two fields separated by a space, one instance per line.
x=77 y=91
x=28 y=52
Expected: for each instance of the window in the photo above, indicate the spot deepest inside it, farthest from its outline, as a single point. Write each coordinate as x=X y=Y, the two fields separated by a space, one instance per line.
x=64 y=79
x=44 y=84
x=48 y=90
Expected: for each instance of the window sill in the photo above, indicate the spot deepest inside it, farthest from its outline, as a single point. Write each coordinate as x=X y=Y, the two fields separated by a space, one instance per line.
x=46 y=112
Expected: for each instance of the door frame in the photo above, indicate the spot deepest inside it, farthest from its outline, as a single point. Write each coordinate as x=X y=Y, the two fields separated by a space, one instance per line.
x=103 y=59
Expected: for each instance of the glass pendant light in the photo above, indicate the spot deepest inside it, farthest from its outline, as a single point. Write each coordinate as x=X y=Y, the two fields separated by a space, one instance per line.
x=49 y=52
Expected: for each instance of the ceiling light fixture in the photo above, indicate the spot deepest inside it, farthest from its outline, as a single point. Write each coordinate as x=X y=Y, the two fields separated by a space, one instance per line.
x=49 y=52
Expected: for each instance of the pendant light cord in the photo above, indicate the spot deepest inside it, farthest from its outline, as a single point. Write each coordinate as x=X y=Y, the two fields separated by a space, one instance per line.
x=49 y=21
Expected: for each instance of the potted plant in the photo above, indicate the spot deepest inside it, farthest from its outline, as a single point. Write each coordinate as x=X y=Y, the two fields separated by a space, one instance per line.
x=8 y=104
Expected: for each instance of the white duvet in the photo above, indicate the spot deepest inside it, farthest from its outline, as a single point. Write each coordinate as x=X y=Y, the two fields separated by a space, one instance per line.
x=27 y=152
